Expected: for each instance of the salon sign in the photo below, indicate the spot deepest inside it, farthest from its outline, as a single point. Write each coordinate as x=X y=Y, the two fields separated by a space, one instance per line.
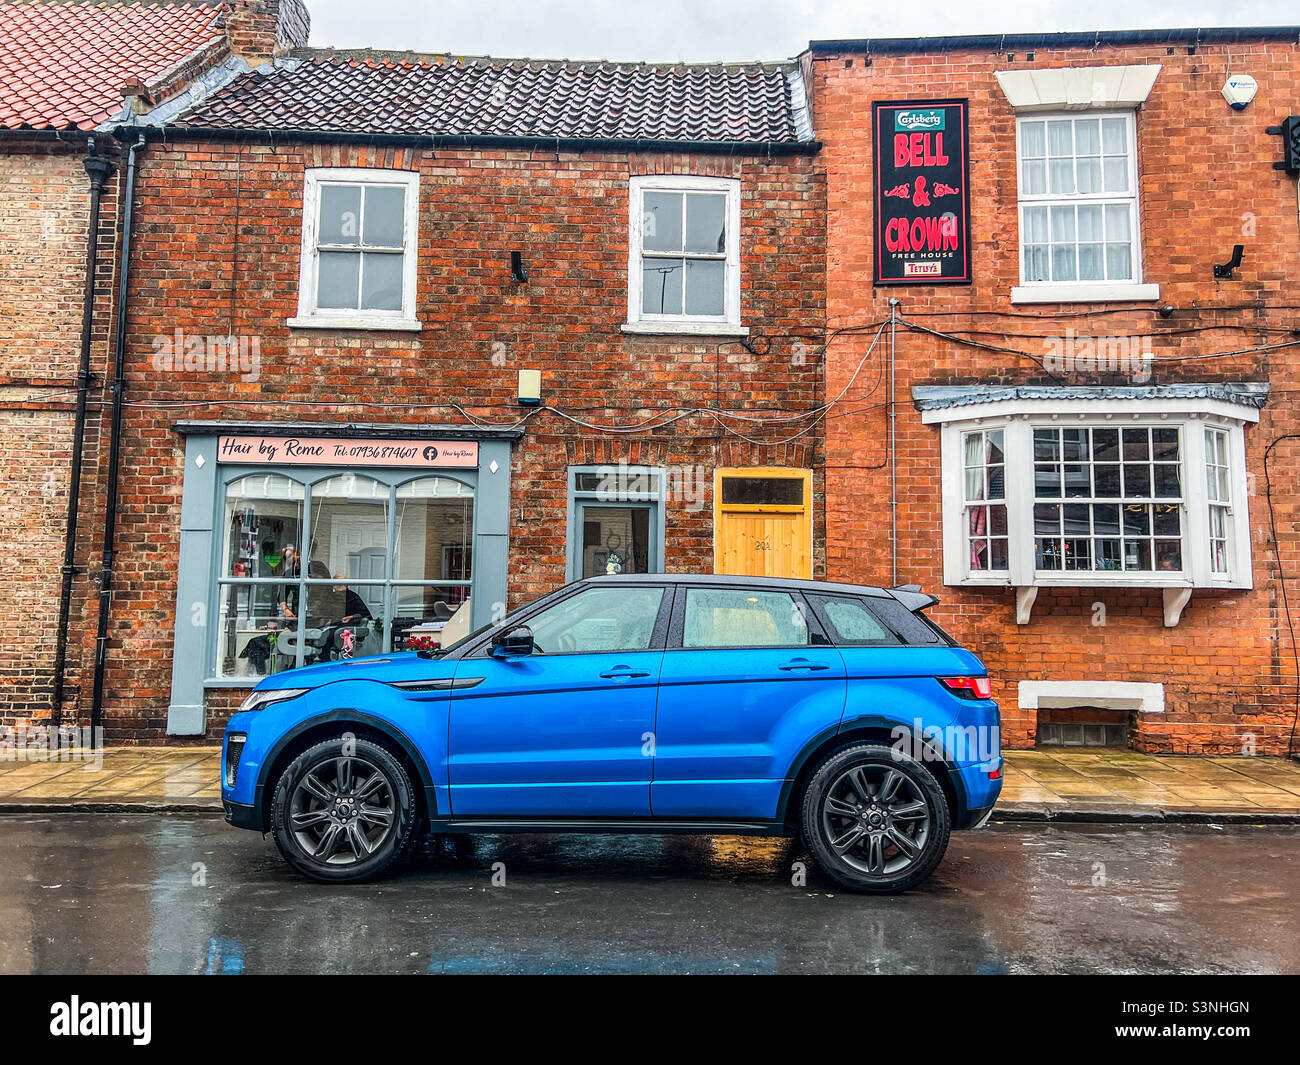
x=338 y=451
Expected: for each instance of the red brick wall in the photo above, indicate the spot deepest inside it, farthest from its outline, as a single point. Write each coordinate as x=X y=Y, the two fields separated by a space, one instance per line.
x=217 y=252
x=44 y=217
x=1227 y=668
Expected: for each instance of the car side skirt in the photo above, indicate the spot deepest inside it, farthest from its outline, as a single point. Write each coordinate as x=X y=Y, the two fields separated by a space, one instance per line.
x=647 y=825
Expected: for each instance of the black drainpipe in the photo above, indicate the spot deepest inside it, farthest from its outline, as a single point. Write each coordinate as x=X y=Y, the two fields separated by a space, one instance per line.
x=115 y=440
x=98 y=168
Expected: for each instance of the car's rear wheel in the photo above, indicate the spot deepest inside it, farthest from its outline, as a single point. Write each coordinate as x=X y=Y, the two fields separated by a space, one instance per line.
x=875 y=819
x=343 y=810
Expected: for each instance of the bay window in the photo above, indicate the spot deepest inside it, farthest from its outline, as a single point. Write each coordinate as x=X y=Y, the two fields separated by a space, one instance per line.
x=1134 y=486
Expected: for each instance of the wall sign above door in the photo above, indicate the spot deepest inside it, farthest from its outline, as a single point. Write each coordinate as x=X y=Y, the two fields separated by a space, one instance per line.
x=337 y=451
x=922 y=192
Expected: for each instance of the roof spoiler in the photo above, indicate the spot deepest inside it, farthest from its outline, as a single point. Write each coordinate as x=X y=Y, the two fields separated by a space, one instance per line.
x=911 y=596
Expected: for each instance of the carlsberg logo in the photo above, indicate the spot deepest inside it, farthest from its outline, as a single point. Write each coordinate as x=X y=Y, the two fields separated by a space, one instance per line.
x=102 y=1018
x=919 y=121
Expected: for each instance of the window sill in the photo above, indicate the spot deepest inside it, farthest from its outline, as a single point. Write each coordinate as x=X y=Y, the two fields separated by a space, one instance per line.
x=1136 y=580
x=703 y=329
x=1084 y=293
x=403 y=325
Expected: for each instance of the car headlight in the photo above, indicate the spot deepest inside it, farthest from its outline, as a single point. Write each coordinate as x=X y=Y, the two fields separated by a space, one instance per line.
x=258 y=699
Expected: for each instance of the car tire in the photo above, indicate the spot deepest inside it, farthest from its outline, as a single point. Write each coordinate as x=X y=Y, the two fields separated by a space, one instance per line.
x=875 y=819
x=344 y=810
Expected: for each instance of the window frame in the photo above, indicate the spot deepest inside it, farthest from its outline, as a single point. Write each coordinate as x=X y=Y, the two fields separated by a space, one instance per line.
x=578 y=499
x=1041 y=291
x=1048 y=199
x=1018 y=426
x=311 y=316
x=728 y=323
x=308 y=477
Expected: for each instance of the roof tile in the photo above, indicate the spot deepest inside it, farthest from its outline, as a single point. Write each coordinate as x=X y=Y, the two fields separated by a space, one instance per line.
x=383 y=93
x=63 y=64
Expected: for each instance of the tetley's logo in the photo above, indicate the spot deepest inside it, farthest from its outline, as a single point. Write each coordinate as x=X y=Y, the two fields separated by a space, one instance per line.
x=918 y=119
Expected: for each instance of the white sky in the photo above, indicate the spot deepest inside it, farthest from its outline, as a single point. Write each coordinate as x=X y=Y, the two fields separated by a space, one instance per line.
x=702 y=30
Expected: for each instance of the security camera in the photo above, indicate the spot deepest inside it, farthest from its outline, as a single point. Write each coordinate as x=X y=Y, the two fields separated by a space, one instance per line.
x=1239 y=90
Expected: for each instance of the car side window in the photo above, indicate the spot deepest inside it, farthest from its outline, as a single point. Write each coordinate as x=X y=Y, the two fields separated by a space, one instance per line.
x=742 y=617
x=851 y=621
x=598 y=619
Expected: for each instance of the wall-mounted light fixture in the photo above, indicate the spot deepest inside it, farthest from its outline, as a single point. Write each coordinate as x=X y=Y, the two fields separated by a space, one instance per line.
x=1224 y=272
x=517 y=272
x=530 y=387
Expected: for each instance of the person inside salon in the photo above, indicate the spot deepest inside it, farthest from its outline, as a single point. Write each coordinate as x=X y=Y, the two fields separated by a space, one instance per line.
x=341 y=614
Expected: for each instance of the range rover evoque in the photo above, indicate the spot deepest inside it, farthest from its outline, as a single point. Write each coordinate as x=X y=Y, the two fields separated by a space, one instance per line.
x=636 y=703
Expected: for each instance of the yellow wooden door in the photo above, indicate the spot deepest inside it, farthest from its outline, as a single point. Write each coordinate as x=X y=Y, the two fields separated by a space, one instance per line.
x=762 y=522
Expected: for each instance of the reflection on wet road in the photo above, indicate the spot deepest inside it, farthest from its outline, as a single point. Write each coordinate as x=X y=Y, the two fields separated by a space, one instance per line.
x=140 y=893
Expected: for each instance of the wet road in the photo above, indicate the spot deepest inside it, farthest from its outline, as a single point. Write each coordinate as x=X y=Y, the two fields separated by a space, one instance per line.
x=139 y=893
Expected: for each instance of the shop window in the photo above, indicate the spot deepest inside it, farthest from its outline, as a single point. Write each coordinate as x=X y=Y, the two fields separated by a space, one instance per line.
x=341 y=567
x=358 y=249
x=684 y=253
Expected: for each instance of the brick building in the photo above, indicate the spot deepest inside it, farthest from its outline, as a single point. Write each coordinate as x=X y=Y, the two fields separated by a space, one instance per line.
x=410 y=337
x=1095 y=450
x=71 y=71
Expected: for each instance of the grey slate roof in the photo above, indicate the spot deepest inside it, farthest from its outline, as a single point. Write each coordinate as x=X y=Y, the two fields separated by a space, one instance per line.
x=378 y=93
x=941 y=397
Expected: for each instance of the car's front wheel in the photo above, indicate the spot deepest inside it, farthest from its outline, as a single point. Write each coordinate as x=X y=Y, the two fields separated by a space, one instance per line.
x=875 y=819
x=343 y=810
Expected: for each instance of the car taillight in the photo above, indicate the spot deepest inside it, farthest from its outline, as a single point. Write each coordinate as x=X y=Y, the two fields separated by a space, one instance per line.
x=968 y=687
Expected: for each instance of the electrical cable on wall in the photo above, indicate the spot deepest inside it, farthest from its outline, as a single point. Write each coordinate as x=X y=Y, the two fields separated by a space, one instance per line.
x=1281 y=580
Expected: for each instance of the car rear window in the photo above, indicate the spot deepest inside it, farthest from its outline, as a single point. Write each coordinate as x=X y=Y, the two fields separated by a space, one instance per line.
x=913 y=629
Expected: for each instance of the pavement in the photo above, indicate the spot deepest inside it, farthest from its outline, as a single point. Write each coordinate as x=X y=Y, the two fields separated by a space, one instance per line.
x=1057 y=784
x=184 y=893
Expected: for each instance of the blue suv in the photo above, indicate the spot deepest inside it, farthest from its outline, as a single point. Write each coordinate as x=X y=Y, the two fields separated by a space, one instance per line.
x=636 y=703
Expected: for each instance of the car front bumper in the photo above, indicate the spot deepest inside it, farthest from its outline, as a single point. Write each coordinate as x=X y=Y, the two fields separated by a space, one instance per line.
x=242 y=816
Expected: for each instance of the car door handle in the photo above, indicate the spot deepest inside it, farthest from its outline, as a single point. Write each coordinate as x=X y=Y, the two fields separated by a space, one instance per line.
x=619 y=672
x=803 y=663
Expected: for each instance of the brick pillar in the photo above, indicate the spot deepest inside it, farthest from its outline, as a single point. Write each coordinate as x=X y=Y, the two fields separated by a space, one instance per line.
x=260 y=29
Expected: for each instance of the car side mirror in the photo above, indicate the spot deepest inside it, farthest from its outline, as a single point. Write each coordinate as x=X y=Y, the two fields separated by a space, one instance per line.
x=516 y=643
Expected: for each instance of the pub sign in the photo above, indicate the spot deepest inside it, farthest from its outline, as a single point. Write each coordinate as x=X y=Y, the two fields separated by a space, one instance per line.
x=922 y=192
